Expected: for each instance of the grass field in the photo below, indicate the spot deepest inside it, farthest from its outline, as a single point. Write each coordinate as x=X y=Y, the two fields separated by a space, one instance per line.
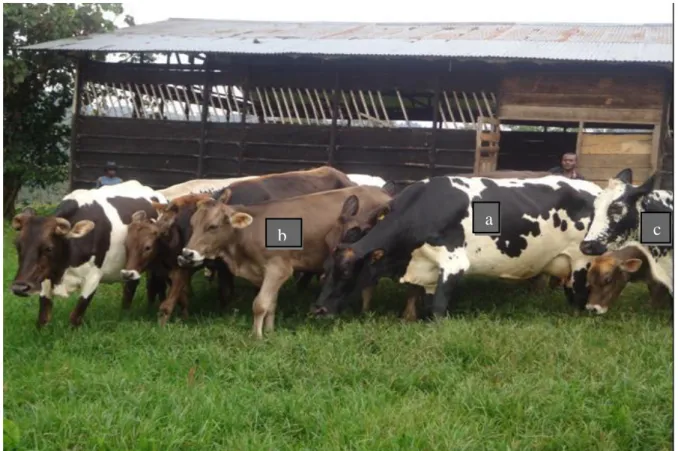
x=514 y=370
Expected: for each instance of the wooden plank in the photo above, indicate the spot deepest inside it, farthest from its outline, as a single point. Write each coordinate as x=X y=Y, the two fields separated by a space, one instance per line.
x=597 y=99
x=606 y=144
x=610 y=115
x=580 y=139
x=656 y=145
x=639 y=175
x=614 y=161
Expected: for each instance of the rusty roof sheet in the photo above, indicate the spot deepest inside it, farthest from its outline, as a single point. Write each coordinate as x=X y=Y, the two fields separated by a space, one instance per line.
x=578 y=42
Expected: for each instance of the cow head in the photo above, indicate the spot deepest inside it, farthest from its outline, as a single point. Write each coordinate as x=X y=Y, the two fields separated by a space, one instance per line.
x=215 y=225
x=42 y=244
x=343 y=266
x=616 y=214
x=141 y=245
x=607 y=277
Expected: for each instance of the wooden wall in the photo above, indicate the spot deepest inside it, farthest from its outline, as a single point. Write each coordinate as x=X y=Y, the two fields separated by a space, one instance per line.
x=589 y=97
x=602 y=156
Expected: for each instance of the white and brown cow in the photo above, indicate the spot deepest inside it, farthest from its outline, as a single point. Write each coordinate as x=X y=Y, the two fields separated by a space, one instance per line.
x=616 y=223
x=80 y=246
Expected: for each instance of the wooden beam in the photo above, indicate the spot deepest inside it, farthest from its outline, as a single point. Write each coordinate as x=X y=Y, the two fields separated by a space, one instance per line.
x=333 y=129
x=615 y=116
x=580 y=136
x=77 y=103
x=434 y=133
x=207 y=88
x=243 y=119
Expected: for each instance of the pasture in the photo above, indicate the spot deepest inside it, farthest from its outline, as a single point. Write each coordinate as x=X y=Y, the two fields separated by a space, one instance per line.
x=512 y=369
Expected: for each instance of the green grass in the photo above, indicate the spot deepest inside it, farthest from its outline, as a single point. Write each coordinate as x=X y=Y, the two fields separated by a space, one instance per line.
x=515 y=370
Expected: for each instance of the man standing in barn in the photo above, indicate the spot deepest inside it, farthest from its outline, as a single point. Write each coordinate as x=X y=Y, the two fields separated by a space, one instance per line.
x=110 y=176
x=568 y=167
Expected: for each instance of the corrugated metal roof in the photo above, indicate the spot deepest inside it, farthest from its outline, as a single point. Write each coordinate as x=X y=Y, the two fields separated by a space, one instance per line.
x=579 y=42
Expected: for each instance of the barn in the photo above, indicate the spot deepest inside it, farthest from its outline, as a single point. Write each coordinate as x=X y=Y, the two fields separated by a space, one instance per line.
x=184 y=98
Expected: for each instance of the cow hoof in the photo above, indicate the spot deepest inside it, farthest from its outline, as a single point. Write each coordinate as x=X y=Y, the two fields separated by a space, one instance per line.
x=40 y=324
x=76 y=321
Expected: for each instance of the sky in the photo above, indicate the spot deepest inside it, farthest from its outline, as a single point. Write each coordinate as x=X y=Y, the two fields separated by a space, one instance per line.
x=409 y=11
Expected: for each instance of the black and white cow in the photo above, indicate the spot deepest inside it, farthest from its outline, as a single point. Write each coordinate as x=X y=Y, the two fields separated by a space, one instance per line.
x=616 y=224
x=80 y=246
x=427 y=230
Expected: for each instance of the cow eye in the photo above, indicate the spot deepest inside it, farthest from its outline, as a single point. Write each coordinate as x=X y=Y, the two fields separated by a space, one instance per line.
x=147 y=248
x=48 y=249
x=615 y=209
x=212 y=227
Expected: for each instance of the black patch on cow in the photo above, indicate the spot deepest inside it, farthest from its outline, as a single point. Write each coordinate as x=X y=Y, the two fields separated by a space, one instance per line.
x=155 y=199
x=579 y=225
x=66 y=209
x=580 y=295
x=556 y=220
x=563 y=225
x=461 y=182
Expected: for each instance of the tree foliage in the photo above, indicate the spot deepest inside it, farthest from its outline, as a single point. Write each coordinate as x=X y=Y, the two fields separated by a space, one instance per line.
x=39 y=86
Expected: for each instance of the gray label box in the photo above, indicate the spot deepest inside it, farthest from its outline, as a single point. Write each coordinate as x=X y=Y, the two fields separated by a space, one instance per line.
x=486 y=218
x=284 y=233
x=656 y=228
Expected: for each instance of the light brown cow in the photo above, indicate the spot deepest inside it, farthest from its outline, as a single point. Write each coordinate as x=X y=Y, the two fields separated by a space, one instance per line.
x=237 y=234
x=609 y=273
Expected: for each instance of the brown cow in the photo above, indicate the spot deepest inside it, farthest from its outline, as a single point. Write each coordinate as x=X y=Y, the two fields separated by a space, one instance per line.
x=154 y=245
x=609 y=273
x=237 y=234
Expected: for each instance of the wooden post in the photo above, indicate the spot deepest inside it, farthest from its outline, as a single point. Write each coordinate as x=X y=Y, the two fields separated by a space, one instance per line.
x=77 y=104
x=658 y=134
x=243 y=118
x=580 y=137
x=206 y=93
x=434 y=132
x=333 y=128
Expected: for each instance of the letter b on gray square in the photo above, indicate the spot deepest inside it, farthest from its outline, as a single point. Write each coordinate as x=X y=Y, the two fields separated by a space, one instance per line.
x=656 y=228
x=284 y=233
x=486 y=218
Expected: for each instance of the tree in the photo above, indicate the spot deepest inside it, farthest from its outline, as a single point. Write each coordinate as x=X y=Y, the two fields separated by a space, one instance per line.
x=38 y=89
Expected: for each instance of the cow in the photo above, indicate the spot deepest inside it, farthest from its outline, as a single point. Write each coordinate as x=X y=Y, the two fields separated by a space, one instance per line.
x=609 y=273
x=237 y=234
x=200 y=186
x=155 y=245
x=425 y=234
x=616 y=221
x=80 y=246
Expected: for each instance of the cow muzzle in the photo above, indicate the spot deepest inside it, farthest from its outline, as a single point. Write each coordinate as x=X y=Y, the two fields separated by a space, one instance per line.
x=22 y=289
x=190 y=258
x=130 y=274
x=592 y=248
x=599 y=309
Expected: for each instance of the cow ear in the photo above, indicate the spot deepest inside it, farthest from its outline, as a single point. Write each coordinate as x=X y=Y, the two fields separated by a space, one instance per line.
x=626 y=176
x=240 y=220
x=62 y=227
x=631 y=265
x=80 y=229
x=139 y=216
x=225 y=196
x=390 y=188
x=19 y=220
x=351 y=205
x=646 y=187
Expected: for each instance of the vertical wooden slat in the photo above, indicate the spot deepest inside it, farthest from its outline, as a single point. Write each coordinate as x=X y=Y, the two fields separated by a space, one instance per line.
x=77 y=102
x=206 y=91
x=335 y=114
x=243 y=119
x=434 y=133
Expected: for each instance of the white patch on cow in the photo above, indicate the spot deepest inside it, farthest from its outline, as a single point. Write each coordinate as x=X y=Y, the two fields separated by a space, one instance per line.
x=553 y=251
x=199 y=186
x=599 y=309
x=87 y=276
x=46 y=289
x=366 y=180
x=130 y=274
x=601 y=222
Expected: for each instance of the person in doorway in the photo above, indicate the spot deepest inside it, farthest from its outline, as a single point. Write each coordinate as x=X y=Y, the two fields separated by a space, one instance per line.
x=110 y=176
x=568 y=167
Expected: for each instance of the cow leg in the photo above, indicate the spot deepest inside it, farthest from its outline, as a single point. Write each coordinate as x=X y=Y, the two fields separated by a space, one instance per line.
x=264 y=304
x=659 y=295
x=89 y=287
x=226 y=285
x=453 y=264
x=304 y=280
x=180 y=279
x=578 y=294
x=414 y=292
x=46 y=304
x=128 y=290
x=155 y=288
x=366 y=295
